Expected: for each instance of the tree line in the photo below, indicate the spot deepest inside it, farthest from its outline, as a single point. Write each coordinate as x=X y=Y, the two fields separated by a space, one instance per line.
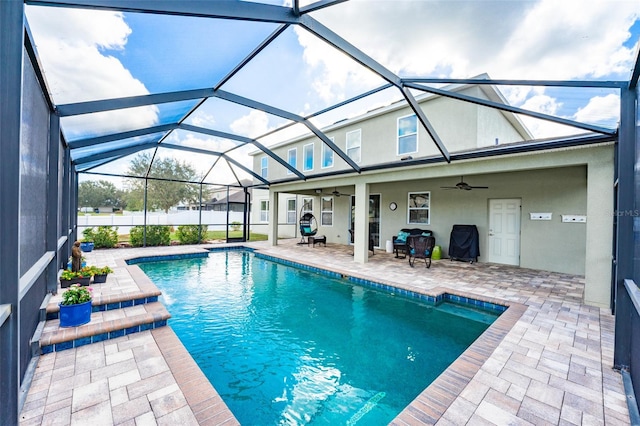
x=161 y=194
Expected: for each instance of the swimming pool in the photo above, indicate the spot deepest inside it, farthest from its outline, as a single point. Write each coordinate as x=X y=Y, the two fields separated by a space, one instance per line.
x=286 y=346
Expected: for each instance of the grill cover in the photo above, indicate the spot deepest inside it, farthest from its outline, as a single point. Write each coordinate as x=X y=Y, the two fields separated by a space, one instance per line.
x=464 y=243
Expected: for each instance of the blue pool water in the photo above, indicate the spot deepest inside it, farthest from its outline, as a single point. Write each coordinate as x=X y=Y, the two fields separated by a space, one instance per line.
x=287 y=346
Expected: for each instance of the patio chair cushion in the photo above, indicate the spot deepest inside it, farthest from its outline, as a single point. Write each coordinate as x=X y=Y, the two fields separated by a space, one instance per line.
x=402 y=237
x=306 y=229
x=426 y=252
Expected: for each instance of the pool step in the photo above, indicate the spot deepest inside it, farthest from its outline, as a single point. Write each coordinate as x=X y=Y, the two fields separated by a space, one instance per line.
x=108 y=321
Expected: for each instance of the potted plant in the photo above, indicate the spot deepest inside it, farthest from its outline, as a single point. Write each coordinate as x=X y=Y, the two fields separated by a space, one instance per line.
x=75 y=308
x=100 y=274
x=84 y=275
x=87 y=242
x=86 y=246
x=68 y=277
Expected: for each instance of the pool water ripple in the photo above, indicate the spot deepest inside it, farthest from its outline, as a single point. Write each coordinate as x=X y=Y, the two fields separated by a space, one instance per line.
x=286 y=346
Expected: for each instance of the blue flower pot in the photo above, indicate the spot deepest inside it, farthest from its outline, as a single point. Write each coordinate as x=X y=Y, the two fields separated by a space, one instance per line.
x=86 y=247
x=75 y=315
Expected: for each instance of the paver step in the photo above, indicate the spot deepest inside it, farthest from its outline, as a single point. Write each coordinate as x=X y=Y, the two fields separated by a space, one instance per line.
x=108 y=302
x=105 y=324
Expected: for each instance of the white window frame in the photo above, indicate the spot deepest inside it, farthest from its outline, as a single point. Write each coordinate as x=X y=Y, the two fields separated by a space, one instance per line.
x=264 y=211
x=399 y=136
x=327 y=155
x=354 y=144
x=291 y=214
x=293 y=163
x=264 y=167
x=305 y=151
x=412 y=207
x=326 y=216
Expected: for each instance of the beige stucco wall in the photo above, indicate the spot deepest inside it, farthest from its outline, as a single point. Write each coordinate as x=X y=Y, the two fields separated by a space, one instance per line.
x=566 y=181
x=460 y=125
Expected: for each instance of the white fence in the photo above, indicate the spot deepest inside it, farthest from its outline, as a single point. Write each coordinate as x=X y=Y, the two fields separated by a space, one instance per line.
x=215 y=221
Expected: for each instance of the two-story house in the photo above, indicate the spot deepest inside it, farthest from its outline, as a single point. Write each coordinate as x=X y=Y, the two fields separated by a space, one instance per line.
x=543 y=204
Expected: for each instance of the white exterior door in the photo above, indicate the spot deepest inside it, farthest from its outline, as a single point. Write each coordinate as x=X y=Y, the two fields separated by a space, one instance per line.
x=504 y=231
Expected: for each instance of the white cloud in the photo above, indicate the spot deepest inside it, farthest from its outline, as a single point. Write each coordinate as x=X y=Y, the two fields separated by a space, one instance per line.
x=542 y=40
x=254 y=123
x=338 y=76
x=203 y=119
x=600 y=109
x=71 y=44
x=542 y=103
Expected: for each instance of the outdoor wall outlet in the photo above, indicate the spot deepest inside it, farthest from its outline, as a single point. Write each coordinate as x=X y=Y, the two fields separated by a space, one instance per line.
x=574 y=218
x=540 y=216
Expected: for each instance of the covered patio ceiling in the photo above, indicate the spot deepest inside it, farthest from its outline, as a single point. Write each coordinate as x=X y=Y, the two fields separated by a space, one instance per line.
x=211 y=81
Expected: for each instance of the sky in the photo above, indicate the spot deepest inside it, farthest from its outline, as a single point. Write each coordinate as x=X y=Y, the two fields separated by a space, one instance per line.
x=89 y=55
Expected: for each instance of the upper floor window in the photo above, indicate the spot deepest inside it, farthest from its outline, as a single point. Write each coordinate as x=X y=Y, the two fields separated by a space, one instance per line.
x=407 y=134
x=326 y=211
x=292 y=159
x=327 y=155
x=291 y=210
x=354 y=140
x=307 y=157
x=264 y=211
x=264 y=167
x=419 y=208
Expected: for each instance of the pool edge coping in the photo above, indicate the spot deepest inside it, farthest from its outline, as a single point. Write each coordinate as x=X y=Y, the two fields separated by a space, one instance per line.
x=431 y=404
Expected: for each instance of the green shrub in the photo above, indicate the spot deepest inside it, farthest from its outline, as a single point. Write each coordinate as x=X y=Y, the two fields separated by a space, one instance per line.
x=88 y=235
x=188 y=234
x=157 y=235
x=104 y=237
x=235 y=225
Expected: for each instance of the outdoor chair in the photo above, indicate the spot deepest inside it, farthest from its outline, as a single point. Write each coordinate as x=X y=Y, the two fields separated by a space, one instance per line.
x=400 y=243
x=421 y=247
x=308 y=228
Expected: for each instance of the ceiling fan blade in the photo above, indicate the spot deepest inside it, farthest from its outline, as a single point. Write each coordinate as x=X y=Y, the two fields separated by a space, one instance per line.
x=479 y=187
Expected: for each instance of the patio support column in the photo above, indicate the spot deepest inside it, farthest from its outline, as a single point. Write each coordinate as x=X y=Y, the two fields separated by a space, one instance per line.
x=361 y=224
x=11 y=51
x=273 y=217
x=599 y=233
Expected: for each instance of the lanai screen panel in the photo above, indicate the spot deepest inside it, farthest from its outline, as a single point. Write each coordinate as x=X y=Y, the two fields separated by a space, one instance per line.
x=282 y=63
x=33 y=171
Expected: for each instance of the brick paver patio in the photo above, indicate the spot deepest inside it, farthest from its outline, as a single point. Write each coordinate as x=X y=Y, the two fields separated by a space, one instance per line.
x=551 y=365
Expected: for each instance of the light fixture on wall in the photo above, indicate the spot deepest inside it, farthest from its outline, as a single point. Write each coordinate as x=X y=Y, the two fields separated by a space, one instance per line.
x=318 y=191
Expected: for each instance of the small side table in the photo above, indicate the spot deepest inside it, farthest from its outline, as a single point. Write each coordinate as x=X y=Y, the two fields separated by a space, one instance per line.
x=318 y=239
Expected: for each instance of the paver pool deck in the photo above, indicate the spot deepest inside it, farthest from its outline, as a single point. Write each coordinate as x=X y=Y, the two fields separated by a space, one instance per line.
x=549 y=361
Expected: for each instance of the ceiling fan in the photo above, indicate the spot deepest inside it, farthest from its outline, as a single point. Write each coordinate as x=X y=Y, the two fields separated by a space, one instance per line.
x=464 y=186
x=335 y=192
